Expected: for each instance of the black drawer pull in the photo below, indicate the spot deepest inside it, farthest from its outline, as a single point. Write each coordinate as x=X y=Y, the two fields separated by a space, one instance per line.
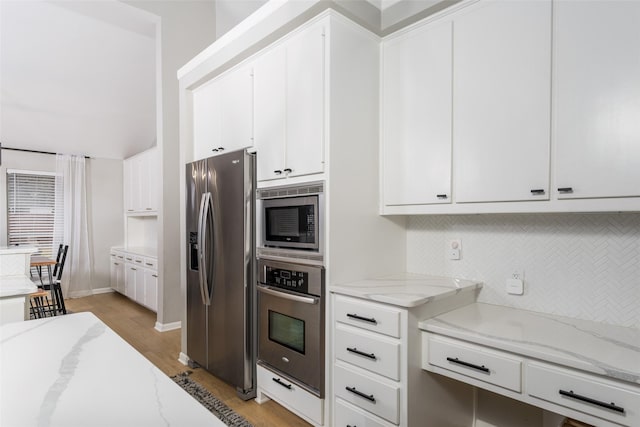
x=288 y=170
x=565 y=190
x=277 y=172
x=441 y=196
x=468 y=365
x=537 y=191
x=283 y=384
x=349 y=425
x=364 y=319
x=611 y=405
x=369 y=397
x=362 y=353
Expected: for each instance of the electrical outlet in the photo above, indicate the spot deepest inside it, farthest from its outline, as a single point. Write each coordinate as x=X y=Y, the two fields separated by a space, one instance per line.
x=515 y=284
x=453 y=249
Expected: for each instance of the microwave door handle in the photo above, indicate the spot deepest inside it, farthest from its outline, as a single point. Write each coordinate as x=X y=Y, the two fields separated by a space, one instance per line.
x=288 y=296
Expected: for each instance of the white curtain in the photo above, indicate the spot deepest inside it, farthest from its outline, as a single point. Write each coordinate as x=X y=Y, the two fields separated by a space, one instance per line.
x=76 y=277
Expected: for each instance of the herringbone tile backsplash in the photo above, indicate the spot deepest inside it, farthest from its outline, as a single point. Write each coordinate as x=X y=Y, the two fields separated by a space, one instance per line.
x=578 y=265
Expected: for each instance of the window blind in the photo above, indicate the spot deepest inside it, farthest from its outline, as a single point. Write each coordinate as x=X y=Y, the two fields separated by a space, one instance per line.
x=32 y=209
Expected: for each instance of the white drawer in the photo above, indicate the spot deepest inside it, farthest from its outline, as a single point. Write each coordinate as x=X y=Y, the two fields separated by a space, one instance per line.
x=290 y=395
x=609 y=400
x=366 y=315
x=481 y=363
x=377 y=397
x=349 y=416
x=369 y=351
x=151 y=263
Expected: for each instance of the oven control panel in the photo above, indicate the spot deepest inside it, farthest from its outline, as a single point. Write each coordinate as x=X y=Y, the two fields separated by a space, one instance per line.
x=288 y=279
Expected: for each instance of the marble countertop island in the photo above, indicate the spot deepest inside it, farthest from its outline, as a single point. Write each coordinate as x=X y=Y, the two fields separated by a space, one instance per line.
x=73 y=370
x=406 y=289
x=612 y=351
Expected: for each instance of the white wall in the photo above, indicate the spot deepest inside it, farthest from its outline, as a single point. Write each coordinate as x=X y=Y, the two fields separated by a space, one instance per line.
x=104 y=196
x=578 y=265
x=230 y=13
x=187 y=27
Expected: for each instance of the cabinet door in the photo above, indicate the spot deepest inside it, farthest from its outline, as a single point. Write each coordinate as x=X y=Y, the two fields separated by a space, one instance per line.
x=305 y=102
x=113 y=273
x=140 y=286
x=120 y=272
x=151 y=289
x=269 y=113
x=130 y=281
x=236 y=94
x=128 y=185
x=597 y=98
x=206 y=119
x=501 y=101
x=152 y=179
x=416 y=105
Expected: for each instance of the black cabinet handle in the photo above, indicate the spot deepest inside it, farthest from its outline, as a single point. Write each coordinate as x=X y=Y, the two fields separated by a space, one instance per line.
x=220 y=148
x=288 y=170
x=467 y=364
x=565 y=190
x=283 y=384
x=364 y=319
x=371 y=356
x=369 y=397
x=277 y=171
x=611 y=405
x=537 y=191
x=214 y=149
x=441 y=196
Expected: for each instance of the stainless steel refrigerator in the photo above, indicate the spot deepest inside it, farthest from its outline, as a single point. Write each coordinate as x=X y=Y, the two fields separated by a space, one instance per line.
x=220 y=220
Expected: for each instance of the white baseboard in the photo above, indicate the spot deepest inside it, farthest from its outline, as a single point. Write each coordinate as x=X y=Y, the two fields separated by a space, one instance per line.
x=164 y=327
x=102 y=291
x=184 y=359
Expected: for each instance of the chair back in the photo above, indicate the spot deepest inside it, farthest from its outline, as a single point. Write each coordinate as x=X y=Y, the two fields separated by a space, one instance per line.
x=60 y=265
x=55 y=269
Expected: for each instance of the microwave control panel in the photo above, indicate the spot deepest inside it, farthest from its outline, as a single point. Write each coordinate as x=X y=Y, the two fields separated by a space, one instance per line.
x=288 y=279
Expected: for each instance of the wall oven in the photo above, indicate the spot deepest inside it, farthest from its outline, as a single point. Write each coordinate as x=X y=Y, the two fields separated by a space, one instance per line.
x=291 y=305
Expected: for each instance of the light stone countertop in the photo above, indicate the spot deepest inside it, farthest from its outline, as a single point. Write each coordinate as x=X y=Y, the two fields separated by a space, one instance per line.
x=12 y=286
x=138 y=250
x=74 y=370
x=608 y=350
x=406 y=289
x=4 y=250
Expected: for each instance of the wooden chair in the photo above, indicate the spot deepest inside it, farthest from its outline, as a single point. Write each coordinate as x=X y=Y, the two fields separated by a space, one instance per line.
x=43 y=306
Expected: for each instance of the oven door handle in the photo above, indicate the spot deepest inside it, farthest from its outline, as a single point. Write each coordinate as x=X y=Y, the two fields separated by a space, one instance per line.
x=285 y=295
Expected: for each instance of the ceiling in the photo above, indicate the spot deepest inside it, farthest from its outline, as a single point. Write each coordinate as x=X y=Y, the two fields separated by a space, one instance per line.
x=77 y=77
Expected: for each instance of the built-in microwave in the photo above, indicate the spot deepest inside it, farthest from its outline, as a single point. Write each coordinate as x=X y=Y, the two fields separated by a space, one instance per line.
x=290 y=218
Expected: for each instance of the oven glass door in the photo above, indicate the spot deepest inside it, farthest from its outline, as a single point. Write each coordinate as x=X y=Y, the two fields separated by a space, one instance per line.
x=290 y=337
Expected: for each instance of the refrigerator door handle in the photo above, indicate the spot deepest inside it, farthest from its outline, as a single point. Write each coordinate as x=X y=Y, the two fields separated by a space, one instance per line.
x=203 y=216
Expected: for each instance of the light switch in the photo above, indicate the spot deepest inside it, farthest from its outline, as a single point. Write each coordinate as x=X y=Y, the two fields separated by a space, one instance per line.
x=453 y=249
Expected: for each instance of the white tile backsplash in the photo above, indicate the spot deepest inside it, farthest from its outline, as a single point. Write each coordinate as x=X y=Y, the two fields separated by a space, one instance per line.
x=578 y=265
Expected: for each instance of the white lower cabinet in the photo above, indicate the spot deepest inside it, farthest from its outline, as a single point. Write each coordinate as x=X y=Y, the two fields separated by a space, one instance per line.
x=135 y=276
x=593 y=399
x=290 y=395
x=586 y=393
x=351 y=416
x=367 y=352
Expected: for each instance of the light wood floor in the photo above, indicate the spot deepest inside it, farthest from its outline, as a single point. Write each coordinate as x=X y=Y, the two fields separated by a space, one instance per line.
x=135 y=324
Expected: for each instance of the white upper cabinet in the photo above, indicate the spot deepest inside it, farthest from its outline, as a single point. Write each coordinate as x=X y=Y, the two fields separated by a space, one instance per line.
x=416 y=116
x=597 y=98
x=141 y=183
x=270 y=107
x=223 y=113
x=289 y=106
x=501 y=101
x=305 y=102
